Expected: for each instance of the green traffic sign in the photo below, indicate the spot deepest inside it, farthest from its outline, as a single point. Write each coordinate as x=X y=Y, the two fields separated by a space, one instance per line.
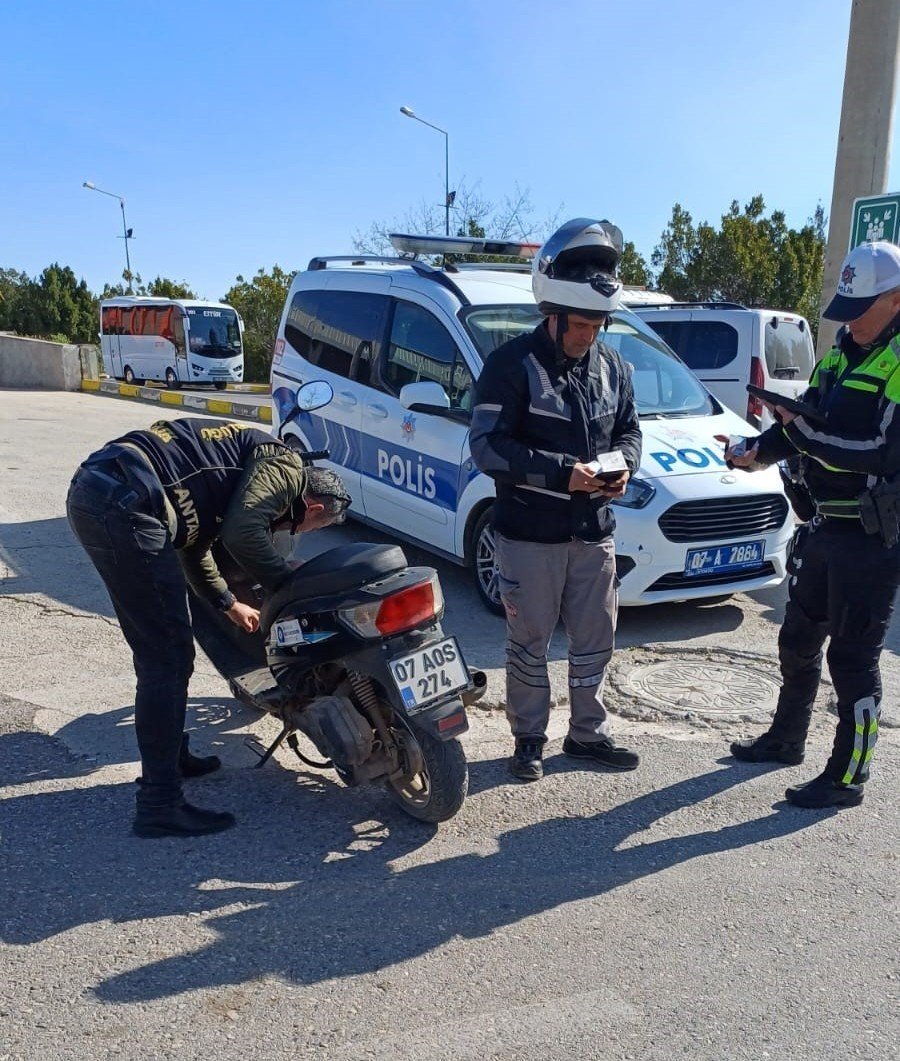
x=875 y=217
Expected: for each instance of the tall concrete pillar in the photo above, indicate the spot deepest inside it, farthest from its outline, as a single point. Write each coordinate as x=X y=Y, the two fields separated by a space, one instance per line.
x=864 y=140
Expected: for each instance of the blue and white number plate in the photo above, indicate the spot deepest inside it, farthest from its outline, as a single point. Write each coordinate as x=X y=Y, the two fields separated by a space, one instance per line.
x=430 y=674
x=720 y=559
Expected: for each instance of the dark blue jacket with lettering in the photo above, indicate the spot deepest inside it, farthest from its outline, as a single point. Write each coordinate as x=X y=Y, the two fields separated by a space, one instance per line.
x=536 y=414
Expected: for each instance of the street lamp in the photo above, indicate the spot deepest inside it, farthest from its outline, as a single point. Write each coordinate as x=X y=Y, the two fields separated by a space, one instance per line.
x=410 y=113
x=125 y=229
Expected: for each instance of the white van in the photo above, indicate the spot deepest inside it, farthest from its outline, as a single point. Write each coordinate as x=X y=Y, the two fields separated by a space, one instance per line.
x=402 y=343
x=729 y=346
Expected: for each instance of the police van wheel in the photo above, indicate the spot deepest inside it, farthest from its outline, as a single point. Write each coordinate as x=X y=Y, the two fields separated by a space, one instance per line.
x=172 y=381
x=484 y=555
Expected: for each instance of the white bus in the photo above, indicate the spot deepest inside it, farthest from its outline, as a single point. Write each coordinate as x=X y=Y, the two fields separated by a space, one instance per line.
x=173 y=340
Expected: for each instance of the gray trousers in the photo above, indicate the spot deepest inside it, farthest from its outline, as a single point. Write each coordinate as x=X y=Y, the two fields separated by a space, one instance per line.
x=539 y=585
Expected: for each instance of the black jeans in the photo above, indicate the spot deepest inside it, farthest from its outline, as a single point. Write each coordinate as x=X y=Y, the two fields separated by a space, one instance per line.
x=121 y=525
x=842 y=586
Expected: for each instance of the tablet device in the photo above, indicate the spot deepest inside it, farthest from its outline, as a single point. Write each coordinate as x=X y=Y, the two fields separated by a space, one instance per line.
x=809 y=412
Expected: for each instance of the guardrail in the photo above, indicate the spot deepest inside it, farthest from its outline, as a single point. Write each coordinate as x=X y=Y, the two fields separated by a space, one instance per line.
x=195 y=402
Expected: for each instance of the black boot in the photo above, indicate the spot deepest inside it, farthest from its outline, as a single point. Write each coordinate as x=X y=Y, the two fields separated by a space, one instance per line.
x=603 y=751
x=769 y=748
x=824 y=791
x=180 y=820
x=526 y=763
x=195 y=765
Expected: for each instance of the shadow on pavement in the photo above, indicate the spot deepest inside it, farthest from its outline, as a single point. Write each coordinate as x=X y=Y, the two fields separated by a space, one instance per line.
x=310 y=867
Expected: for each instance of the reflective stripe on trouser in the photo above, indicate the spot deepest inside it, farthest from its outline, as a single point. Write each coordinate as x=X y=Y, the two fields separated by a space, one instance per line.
x=541 y=584
x=843 y=589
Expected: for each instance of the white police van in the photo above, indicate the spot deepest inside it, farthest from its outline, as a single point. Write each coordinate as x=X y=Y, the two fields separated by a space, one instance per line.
x=402 y=342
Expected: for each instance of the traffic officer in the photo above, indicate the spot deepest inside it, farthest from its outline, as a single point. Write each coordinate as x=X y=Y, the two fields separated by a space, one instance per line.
x=147 y=508
x=845 y=565
x=547 y=405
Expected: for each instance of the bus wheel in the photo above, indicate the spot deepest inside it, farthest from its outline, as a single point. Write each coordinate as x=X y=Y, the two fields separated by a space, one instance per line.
x=172 y=380
x=128 y=374
x=220 y=385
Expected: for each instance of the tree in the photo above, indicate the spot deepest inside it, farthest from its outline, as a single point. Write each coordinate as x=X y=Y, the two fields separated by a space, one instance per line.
x=260 y=302
x=54 y=306
x=161 y=287
x=474 y=215
x=751 y=259
x=632 y=267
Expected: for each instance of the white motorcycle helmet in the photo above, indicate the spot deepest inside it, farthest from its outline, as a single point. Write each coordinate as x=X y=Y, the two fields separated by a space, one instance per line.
x=575 y=270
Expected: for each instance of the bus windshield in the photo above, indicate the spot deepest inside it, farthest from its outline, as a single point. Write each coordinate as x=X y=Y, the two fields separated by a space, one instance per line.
x=214 y=331
x=663 y=385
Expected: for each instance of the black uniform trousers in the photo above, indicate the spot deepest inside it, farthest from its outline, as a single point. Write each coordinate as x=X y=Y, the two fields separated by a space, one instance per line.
x=842 y=586
x=121 y=524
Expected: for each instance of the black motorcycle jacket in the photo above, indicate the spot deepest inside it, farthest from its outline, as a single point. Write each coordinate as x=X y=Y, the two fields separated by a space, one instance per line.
x=537 y=413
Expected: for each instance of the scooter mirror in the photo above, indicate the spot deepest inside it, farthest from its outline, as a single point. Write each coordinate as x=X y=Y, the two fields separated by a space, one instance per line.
x=314 y=395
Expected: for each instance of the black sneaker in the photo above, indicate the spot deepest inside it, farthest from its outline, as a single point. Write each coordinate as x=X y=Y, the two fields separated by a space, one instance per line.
x=824 y=791
x=180 y=820
x=603 y=752
x=768 y=748
x=192 y=765
x=525 y=763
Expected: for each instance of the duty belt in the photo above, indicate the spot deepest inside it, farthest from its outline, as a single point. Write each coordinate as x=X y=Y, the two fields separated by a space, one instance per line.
x=838 y=509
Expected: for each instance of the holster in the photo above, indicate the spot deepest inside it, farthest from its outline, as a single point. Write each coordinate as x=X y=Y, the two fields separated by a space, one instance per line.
x=879 y=512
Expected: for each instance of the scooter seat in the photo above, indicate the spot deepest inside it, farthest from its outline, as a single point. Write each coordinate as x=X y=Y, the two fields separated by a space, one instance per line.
x=334 y=571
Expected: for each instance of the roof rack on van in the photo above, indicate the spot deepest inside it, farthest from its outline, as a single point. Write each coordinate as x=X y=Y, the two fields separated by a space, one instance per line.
x=432 y=272
x=694 y=305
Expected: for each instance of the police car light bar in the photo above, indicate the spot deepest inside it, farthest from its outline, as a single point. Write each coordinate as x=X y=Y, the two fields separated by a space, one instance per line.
x=408 y=244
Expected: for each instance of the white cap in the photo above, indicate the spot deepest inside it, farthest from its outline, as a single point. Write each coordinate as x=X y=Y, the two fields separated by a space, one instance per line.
x=867 y=272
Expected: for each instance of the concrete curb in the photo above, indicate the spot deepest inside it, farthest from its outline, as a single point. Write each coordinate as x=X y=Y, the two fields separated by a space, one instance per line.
x=194 y=402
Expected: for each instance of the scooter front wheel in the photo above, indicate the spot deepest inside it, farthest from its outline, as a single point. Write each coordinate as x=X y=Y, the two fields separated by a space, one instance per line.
x=437 y=780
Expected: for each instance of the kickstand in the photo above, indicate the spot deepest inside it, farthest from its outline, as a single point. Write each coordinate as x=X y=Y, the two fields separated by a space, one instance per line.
x=274 y=746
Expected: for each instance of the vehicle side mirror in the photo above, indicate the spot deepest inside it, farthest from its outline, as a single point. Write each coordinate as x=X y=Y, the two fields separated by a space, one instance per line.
x=427 y=393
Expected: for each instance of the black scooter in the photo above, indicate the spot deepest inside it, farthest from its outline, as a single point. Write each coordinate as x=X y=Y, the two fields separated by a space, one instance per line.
x=351 y=653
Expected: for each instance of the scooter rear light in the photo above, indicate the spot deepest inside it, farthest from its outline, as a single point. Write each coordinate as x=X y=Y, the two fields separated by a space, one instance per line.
x=409 y=608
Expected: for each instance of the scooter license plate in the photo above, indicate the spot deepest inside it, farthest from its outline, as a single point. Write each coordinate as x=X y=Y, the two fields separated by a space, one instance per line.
x=429 y=674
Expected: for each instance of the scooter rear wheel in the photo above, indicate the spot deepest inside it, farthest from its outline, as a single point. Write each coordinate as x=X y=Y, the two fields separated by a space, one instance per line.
x=436 y=786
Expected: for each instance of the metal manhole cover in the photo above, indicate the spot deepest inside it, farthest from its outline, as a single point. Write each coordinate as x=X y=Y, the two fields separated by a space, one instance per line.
x=705 y=687
x=699 y=685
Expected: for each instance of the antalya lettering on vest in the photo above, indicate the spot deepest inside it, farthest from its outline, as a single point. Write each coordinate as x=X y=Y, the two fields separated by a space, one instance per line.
x=188 y=513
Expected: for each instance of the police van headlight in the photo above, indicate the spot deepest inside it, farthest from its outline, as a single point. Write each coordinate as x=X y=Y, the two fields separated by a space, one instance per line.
x=638 y=494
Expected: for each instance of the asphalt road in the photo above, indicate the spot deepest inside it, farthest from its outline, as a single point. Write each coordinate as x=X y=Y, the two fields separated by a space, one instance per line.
x=680 y=910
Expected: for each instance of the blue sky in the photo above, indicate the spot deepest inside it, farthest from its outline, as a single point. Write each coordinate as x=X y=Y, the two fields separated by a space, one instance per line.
x=248 y=134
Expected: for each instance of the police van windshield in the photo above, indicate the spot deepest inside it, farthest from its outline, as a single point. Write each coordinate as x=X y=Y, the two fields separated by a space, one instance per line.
x=663 y=385
x=214 y=331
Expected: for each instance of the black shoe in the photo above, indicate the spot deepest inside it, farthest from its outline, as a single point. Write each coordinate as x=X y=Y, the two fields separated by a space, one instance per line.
x=824 y=791
x=603 y=752
x=195 y=765
x=526 y=763
x=767 y=748
x=180 y=820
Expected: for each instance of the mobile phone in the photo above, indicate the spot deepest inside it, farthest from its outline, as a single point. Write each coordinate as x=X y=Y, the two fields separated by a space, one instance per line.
x=609 y=466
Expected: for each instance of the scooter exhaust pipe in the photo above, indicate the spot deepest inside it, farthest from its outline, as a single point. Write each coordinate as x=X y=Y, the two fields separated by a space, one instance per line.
x=479 y=688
